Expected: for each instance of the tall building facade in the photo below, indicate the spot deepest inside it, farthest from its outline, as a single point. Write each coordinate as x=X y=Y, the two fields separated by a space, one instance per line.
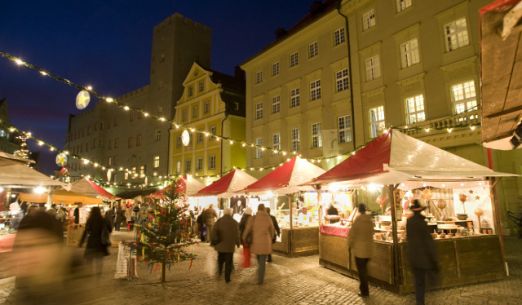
x=416 y=66
x=298 y=91
x=353 y=68
x=212 y=103
x=129 y=139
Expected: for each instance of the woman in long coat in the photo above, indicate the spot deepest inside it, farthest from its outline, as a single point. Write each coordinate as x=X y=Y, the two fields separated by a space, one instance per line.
x=262 y=230
x=96 y=248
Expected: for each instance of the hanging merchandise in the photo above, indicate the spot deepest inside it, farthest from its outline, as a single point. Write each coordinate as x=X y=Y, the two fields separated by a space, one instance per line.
x=82 y=99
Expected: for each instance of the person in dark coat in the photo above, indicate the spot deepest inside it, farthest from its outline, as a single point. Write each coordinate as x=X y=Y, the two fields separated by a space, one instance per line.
x=247 y=214
x=76 y=214
x=360 y=242
x=421 y=250
x=119 y=217
x=209 y=218
x=202 y=227
x=225 y=234
x=277 y=232
x=96 y=248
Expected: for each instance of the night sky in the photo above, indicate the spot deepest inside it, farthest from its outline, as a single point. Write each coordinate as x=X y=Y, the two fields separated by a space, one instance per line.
x=107 y=44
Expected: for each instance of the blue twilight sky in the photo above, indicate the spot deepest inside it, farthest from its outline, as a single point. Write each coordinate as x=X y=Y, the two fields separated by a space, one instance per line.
x=107 y=43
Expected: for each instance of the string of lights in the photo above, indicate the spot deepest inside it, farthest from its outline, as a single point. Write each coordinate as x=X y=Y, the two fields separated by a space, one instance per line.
x=110 y=100
x=113 y=101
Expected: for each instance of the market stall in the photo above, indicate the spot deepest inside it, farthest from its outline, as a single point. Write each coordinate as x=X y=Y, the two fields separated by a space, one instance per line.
x=387 y=174
x=15 y=174
x=227 y=189
x=283 y=192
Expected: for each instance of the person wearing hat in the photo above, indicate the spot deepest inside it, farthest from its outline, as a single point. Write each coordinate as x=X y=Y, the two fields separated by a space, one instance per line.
x=421 y=250
x=247 y=214
x=360 y=242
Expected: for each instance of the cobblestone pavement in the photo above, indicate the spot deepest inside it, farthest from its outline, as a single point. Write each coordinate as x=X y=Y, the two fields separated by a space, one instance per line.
x=298 y=281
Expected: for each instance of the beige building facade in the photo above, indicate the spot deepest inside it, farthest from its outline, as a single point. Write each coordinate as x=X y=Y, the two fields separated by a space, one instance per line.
x=212 y=104
x=416 y=66
x=298 y=92
x=120 y=139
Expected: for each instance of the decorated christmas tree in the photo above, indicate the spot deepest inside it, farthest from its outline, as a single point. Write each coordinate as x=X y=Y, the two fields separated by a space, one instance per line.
x=166 y=231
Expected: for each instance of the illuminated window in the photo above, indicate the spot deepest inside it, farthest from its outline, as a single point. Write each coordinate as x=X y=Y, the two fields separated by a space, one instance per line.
x=377 y=123
x=156 y=161
x=402 y=5
x=464 y=98
x=409 y=53
x=259 y=152
x=456 y=33
x=415 y=109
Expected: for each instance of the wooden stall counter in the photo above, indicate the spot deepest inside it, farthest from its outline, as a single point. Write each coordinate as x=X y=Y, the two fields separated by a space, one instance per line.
x=298 y=241
x=462 y=261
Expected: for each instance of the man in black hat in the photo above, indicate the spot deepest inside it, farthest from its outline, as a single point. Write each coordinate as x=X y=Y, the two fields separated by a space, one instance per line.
x=421 y=250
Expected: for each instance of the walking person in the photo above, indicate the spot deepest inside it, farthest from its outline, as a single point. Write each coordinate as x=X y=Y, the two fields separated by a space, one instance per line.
x=246 y=242
x=262 y=230
x=277 y=232
x=202 y=227
x=209 y=217
x=76 y=214
x=421 y=250
x=225 y=234
x=97 y=230
x=360 y=242
x=119 y=217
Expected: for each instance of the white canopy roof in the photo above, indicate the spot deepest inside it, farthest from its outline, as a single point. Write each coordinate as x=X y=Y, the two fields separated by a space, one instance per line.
x=17 y=173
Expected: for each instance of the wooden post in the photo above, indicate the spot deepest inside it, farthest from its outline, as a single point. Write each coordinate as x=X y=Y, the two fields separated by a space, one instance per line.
x=317 y=187
x=395 y=247
x=496 y=216
x=291 y=224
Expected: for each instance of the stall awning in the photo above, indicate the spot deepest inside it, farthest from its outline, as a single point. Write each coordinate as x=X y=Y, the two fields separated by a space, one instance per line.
x=89 y=188
x=14 y=172
x=287 y=178
x=228 y=185
x=501 y=72
x=395 y=157
x=59 y=197
x=188 y=185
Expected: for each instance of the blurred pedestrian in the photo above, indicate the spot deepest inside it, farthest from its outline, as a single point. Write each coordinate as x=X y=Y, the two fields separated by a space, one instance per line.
x=277 y=232
x=360 y=242
x=209 y=217
x=262 y=230
x=225 y=238
x=76 y=213
x=246 y=242
x=202 y=227
x=97 y=230
x=39 y=260
x=109 y=216
x=119 y=217
x=421 y=251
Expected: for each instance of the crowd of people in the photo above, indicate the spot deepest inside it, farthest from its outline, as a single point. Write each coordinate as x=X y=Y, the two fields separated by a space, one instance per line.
x=42 y=231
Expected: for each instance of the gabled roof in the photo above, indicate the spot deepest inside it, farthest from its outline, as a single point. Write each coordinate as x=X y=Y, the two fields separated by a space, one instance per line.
x=287 y=178
x=230 y=183
x=395 y=157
